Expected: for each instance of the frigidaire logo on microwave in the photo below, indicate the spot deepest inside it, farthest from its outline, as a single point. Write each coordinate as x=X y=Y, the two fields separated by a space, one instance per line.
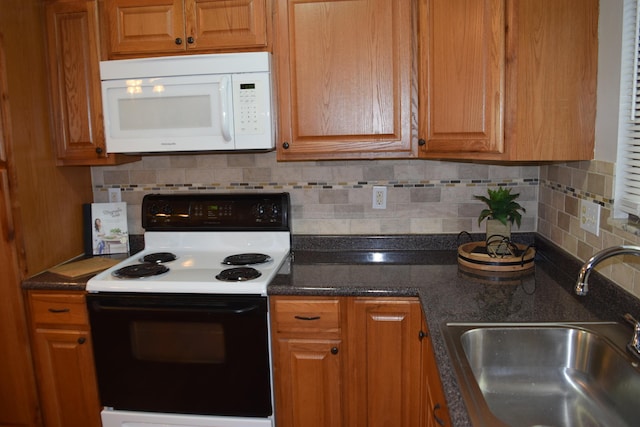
x=217 y=102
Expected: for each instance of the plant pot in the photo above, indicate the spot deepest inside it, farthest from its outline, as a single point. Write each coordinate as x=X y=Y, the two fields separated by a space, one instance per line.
x=498 y=237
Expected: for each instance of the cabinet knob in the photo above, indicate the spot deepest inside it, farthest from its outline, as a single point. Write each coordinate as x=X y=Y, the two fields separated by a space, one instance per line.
x=82 y=340
x=99 y=151
x=178 y=41
x=285 y=145
x=422 y=142
x=190 y=40
x=334 y=350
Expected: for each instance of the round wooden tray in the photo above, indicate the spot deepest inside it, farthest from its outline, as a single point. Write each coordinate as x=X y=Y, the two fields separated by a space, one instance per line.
x=475 y=255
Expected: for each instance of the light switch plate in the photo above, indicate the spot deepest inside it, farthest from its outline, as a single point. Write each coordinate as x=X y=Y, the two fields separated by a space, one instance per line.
x=590 y=216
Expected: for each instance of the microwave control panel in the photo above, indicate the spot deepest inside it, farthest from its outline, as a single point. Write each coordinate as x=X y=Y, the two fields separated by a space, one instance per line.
x=251 y=105
x=249 y=120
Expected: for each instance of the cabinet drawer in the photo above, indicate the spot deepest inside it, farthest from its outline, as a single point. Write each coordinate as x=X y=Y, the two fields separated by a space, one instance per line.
x=58 y=308
x=306 y=314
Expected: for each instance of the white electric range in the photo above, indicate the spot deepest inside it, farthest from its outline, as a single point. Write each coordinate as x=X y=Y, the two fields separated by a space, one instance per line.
x=180 y=330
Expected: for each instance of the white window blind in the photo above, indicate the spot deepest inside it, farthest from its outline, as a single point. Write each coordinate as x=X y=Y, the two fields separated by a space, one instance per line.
x=629 y=144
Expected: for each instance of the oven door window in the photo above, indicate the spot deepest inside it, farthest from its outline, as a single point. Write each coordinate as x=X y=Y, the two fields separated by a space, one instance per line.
x=194 y=354
x=190 y=342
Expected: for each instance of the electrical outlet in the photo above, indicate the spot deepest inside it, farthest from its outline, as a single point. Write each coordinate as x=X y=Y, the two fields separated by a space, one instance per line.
x=379 y=197
x=590 y=217
x=114 y=195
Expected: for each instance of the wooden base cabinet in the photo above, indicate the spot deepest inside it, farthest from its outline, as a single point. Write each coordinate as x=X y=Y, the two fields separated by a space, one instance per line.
x=350 y=361
x=437 y=412
x=309 y=358
x=64 y=359
x=384 y=368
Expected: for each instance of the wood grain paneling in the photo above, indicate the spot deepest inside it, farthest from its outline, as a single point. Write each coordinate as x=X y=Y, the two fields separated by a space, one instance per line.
x=41 y=212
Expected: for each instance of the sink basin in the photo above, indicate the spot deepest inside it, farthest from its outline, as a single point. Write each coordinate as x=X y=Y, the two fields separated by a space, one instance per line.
x=534 y=375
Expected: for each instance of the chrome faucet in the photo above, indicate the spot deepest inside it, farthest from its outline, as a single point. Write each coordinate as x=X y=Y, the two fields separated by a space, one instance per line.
x=582 y=286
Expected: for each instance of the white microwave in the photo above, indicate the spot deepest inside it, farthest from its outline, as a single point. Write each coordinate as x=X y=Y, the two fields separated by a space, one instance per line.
x=216 y=102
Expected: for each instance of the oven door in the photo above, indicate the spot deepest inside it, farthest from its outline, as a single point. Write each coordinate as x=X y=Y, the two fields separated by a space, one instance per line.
x=182 y=353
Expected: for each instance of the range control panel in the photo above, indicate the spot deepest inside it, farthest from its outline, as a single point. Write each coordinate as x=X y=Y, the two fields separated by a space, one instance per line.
x=216 y=212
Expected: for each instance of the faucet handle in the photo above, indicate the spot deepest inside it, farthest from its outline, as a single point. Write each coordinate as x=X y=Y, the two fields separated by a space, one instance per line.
x=634 y=344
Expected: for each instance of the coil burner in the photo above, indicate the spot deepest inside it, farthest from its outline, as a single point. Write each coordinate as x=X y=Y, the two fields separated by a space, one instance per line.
x=239 y=274
x=246 y=259
x=138 y=271
x=159 y=257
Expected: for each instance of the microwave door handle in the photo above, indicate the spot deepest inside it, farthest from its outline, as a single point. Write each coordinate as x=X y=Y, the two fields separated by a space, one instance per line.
x=225 y=89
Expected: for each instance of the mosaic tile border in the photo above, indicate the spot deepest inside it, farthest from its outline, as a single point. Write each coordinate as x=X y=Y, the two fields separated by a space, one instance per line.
x=584 y=195
x=236 y=186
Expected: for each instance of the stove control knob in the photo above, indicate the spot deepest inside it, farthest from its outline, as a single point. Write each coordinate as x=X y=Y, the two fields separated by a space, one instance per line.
x=166 y=209
x=275 y=211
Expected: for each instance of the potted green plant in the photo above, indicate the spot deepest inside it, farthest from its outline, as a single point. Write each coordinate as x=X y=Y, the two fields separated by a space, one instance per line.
x=501 y=212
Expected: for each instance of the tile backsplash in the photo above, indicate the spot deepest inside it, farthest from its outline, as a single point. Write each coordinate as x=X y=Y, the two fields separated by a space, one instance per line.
x=423 y=197
x=332 y=198
x=562 y=188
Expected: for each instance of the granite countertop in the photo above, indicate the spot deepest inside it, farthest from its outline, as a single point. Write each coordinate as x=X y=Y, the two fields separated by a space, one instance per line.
x=382 y=266
x=450 y=294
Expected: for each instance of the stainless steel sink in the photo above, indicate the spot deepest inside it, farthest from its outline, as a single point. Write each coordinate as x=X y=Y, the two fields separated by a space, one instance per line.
x=547 y=374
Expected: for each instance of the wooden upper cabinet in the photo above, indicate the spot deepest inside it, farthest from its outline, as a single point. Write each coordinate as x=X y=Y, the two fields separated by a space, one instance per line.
x=462 y=57
x=220 y=24
x=345 y=79
x=175 y=26
x=552 y=62
x=137 y=26
x=76 y=99
x=511 y=80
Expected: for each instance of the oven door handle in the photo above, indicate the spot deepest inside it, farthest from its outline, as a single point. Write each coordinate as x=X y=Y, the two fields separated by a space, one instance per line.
x=228 y=309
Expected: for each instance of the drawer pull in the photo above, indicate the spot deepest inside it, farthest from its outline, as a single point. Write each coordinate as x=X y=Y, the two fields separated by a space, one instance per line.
x=440 y=421
x=334 y=350
x=59 y=310
x=307 y=317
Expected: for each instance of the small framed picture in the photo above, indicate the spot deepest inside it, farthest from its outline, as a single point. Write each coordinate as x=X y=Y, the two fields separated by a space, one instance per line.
x=109 y=232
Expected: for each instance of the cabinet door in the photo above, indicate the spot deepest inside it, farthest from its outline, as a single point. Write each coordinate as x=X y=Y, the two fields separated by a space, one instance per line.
x=385 y=363
x=145 y=26
x=345 y=79
x=462 y=57
x=73 y=62
x=308 y=382
x=220 y=24
x=551 y=73
x=437 y=412
x=308 y=360
x=67 y=378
